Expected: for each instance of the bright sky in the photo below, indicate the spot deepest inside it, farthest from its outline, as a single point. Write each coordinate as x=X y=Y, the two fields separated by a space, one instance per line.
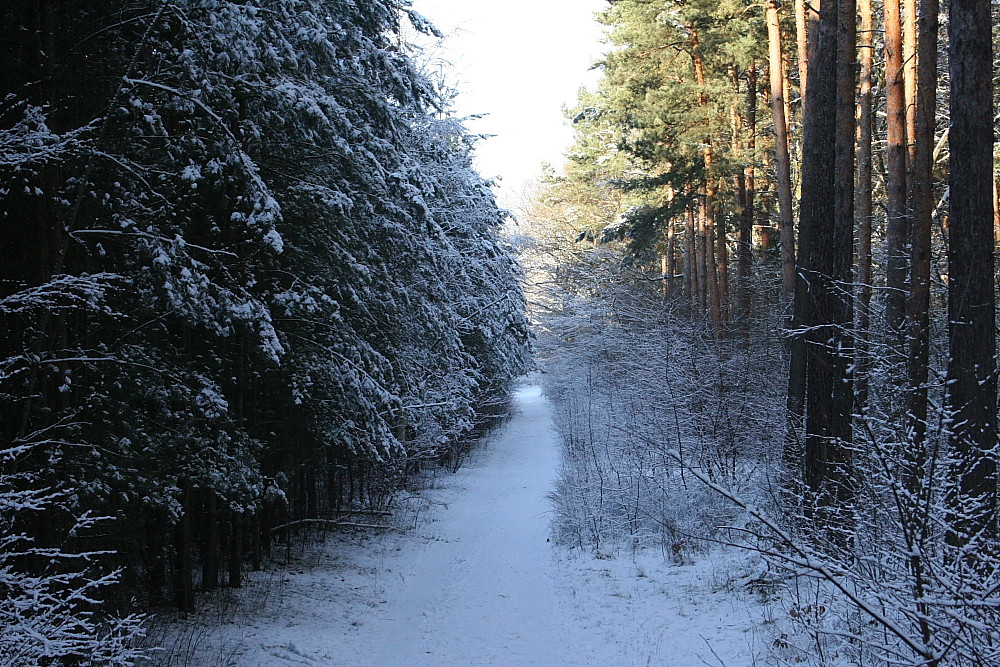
x=520 y=61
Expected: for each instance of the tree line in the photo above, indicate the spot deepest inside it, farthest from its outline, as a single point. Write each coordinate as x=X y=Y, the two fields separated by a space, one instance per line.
x=825 y=170
x=248 y=276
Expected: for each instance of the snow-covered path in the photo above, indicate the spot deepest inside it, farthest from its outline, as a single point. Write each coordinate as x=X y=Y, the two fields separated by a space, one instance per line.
x=476 y=582
x=479 y=592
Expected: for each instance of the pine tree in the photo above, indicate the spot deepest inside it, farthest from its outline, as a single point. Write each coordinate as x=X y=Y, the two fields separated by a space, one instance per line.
x=972 y=382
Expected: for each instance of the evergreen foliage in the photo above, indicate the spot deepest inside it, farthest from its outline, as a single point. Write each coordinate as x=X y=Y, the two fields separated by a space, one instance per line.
x=249 y=276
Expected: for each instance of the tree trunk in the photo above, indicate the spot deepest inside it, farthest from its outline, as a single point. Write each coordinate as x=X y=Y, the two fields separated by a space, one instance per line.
x=183 y=579
x=690 y=263
x=815 y=47
x=972 y=383
x=832 y=431
x=804 y=18
x=786 y=89
x=918 y=314
x=922 y=206
x=898 y=222
x=715 y=262
x=782 y=159
x=822 y=295
x=909 y=21
x=671 y=260
x=863 y=201
x=745 y=186
x=235 y=549
x=671 y=263
x=256 y=548
x=996 y=209
x=710 y=276
x=210 y=543
x=721 y=264
x=155 y=563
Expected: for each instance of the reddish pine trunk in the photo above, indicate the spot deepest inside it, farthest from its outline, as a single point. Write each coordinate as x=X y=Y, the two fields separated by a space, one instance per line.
x=898 y=222
x=782 y=159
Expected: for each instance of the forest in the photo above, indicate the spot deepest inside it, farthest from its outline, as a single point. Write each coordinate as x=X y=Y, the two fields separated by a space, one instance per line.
x=765 y=292
x=249 y=279
x=251 y=283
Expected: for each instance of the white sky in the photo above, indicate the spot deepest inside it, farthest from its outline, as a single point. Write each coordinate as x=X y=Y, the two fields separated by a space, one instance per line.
x=520 y=61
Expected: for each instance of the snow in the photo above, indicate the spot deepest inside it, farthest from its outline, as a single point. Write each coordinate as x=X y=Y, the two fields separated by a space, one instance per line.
x=475 y=580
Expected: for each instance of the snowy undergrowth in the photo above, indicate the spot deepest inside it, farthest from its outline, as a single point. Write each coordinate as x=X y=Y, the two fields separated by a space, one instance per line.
x=637 y=393
x=655 y=417
x=640 y=437
x=470 y=578
x=672 y=444
x=51 y=597
x=221 y=633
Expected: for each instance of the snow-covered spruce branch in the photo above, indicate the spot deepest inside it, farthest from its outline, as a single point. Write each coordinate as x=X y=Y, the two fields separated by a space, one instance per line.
x=154 y=237
x=60 y=293
x=349 y=362
x=424 y=406
x=135 y=172
x=105 y=127
x=497 y=302
x=30 y=142
x=467 y=319
x=34 y=362
x=249 y=166
x=179 y=93
x=47 y=619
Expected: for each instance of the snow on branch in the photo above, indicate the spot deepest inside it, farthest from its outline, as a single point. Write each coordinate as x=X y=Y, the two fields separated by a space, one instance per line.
x=62 y=292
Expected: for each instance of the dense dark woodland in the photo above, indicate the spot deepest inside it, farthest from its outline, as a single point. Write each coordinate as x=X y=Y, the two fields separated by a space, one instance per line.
x=769 y=265
x=248 y=276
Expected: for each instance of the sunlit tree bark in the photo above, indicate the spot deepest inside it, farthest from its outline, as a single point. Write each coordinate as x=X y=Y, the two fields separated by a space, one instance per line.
x=715 y=260
x=746 y=186
x=805 y=17
x=898 y=223
x=782 y=159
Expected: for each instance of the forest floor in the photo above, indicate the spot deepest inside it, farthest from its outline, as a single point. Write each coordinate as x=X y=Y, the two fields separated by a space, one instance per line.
x=474 y=580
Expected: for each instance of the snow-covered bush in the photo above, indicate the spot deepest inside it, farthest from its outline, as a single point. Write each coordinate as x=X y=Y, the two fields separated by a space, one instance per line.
x=670 y=437
x=51 y=597
x=631 y=379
